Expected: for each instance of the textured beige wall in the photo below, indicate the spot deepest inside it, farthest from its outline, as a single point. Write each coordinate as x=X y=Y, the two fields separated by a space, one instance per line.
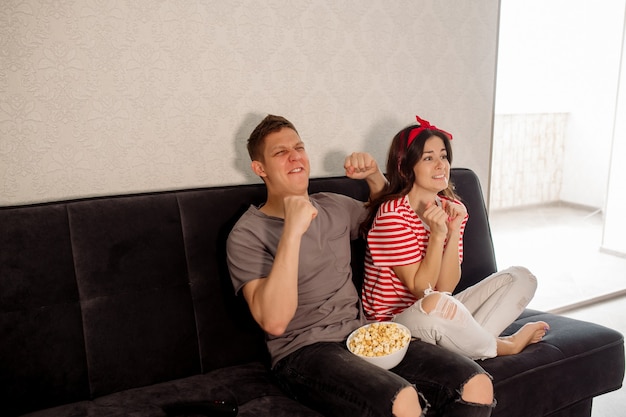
x=109 y=97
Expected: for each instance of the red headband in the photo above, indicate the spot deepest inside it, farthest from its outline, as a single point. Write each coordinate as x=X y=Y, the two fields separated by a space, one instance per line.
x=423 y=126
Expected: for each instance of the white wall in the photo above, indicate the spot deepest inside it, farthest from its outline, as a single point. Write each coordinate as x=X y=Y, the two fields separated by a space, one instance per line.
x=614 y=224
x=562 y=56
x=107 y=97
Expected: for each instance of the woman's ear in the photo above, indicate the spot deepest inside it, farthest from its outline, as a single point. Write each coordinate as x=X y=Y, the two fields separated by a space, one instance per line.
x=258 y=169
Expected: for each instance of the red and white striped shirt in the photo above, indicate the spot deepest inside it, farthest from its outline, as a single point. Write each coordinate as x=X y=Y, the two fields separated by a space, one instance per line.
x=397 y=237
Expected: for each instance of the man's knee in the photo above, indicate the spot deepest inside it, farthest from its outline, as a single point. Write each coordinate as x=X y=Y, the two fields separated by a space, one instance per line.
x=478 y=389
x=407 y=403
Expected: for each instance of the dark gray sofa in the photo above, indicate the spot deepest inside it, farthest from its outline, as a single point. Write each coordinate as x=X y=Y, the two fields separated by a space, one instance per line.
x=117 y=306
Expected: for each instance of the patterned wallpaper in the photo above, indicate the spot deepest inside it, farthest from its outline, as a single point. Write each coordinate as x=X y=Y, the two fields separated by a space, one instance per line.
x=105 y=97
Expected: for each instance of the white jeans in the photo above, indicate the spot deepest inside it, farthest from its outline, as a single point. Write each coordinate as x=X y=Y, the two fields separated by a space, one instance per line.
x=470 y=322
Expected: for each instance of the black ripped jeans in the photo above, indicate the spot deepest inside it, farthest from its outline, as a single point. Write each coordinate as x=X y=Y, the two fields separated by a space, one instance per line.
x=330 y=379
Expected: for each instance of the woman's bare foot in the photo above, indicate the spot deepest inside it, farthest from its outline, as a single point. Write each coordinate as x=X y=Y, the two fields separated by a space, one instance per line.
x=528 y=334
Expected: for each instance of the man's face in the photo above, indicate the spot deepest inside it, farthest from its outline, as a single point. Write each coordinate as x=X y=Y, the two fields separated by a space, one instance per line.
x=285 y=166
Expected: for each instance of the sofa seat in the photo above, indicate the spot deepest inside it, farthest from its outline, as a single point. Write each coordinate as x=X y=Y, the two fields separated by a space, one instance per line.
x=563 y=372
x=248 y=385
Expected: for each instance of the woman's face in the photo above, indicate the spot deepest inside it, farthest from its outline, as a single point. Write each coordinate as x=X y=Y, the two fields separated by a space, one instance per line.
x=432 y=170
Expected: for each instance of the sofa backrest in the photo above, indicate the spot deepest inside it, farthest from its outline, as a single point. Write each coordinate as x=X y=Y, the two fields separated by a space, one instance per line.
x=479 y=260
x=104 y=294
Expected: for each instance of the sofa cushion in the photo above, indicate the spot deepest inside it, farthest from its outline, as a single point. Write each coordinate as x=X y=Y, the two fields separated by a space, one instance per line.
x=132 y=279
x=575 y=361
x=248 y=385
x=479 y=259
x=41 y=331
x=227 y=334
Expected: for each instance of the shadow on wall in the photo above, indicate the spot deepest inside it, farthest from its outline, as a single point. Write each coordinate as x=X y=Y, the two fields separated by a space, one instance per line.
x=242 y=159
x=376 y=143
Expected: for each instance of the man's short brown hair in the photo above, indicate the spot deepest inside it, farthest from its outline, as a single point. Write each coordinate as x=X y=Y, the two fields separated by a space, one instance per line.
x=270 y=124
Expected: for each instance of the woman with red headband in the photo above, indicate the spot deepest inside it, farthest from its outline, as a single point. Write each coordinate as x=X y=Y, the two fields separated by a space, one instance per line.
x=414 y=235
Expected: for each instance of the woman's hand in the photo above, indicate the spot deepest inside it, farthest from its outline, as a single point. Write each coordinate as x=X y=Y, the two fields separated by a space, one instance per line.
x=437 y=220
x=456 y=214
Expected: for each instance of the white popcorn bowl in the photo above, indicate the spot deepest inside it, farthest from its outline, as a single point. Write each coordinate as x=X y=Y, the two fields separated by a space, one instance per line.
x=386 y=361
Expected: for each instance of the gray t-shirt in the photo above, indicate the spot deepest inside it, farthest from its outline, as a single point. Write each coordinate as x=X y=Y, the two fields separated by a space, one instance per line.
x=328 y=303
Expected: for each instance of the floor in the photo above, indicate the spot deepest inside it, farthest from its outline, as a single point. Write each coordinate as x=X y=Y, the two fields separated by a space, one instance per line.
x=561 y=246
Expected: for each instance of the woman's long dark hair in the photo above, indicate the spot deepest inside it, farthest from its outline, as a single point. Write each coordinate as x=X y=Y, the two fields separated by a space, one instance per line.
x=400 y=163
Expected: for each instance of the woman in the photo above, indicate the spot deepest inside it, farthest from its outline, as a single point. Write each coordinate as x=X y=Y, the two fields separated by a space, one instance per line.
x=414 y=252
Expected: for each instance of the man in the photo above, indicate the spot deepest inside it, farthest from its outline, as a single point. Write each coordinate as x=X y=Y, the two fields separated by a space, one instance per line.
x=290 y=258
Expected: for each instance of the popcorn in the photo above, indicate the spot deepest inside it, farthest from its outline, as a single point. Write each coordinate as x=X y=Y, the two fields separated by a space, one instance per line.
x=378 y=339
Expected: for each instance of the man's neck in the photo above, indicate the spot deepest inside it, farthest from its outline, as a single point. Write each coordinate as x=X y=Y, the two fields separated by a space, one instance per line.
x=274 y=206
x=272 y=210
